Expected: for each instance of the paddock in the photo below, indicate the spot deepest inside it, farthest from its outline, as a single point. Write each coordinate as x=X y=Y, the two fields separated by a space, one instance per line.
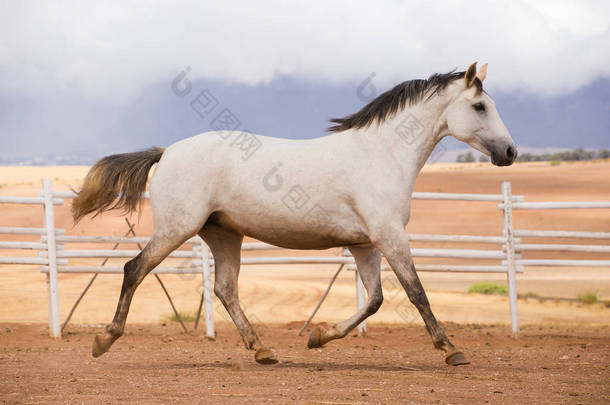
x=395 y=353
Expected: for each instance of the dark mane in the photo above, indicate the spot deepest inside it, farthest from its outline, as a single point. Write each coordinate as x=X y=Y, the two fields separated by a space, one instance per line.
x=409 y=92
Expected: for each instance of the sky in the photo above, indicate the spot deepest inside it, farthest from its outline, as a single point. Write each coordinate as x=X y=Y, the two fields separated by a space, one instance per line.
x=80 y=79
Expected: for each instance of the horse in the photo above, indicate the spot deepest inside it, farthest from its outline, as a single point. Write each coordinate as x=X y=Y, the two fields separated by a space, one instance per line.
x=351 y=188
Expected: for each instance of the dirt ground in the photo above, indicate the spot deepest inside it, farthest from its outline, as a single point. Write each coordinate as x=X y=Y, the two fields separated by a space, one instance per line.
x=561 y=355
x=159 y=364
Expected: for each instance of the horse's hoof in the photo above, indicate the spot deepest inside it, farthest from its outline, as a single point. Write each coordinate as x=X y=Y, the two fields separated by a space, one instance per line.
x=315 y=339
x=456 y=359
x=265 y=356
x=101 y=344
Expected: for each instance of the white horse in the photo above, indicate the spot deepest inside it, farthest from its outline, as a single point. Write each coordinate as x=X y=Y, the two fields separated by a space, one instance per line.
x=351 y=188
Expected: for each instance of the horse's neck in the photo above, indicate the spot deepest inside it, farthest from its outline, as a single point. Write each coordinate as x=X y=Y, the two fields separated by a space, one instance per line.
x=412 y=134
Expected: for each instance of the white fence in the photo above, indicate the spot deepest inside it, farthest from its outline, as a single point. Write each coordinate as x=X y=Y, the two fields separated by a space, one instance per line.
x=53 y=257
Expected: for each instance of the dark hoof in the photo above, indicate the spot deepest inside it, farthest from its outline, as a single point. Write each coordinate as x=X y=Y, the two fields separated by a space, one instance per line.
x=265 y=356
x=101 y=344
x=456 y=359
x=315 y=339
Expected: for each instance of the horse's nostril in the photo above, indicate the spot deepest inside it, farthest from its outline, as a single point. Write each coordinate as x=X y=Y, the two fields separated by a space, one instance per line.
x=510 y=152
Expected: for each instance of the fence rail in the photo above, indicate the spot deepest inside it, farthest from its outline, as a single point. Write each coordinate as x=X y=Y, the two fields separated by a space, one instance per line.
x=562 y=234
x=28 y=200
x=524 y=247
x=53 y=257
x=16 y=230
x=558 y=205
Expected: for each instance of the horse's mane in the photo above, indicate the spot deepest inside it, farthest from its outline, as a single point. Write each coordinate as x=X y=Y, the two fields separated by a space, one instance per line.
x=411 y=92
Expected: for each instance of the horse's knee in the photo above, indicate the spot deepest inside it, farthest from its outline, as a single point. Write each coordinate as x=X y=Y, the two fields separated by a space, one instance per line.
x=374 y=303
x=224 y=293
x=130 y=270
x=218 y=292
x=418 y=297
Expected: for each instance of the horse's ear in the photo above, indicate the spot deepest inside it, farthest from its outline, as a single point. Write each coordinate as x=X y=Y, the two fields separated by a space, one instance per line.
x=471 y=74
x=482 y=72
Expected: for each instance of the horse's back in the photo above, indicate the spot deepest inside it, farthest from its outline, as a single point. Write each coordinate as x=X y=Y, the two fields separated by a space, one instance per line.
x=281 y=191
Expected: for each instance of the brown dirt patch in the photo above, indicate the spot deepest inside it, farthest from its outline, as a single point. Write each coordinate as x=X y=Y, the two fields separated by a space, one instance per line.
x=159 y=364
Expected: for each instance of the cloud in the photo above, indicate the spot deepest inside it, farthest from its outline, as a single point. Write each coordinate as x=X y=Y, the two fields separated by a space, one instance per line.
x=110 y=52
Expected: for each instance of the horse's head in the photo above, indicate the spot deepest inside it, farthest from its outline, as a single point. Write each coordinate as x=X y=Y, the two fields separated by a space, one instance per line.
x=472 y=118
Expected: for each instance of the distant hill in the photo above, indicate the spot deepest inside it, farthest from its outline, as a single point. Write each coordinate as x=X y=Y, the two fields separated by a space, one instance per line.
x=53 y=131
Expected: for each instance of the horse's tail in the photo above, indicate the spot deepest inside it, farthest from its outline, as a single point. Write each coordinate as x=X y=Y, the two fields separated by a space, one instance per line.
x=121 y=178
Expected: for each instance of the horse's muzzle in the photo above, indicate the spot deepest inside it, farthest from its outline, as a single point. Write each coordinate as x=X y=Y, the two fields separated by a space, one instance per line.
x=504 y=156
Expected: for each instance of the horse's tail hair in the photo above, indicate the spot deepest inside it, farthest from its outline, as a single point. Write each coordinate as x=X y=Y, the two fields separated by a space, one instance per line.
x=115 y=182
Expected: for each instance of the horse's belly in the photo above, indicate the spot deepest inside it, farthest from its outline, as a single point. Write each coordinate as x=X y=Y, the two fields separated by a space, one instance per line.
x=315 y=232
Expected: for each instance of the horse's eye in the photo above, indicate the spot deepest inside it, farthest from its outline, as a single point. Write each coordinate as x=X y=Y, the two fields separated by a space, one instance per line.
x=479 y=106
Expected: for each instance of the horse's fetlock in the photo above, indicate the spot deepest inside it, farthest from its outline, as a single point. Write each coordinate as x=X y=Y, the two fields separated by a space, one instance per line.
x=251 y=343
x=335 y=333
x=443 y=345
x=114 y=331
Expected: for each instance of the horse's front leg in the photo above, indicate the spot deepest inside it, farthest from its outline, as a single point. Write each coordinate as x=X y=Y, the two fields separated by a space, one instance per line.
x=368 y=263
x=394 y=244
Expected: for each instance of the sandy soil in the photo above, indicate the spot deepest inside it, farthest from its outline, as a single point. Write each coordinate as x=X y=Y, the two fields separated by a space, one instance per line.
x=157 y=364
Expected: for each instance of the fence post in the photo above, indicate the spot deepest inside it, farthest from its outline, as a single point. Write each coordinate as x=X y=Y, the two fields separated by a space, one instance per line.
x=510 y=256
x=210 y=332
x=49 y=223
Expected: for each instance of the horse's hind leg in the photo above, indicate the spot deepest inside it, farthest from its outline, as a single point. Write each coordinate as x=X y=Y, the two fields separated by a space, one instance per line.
x=134 y=272
x=225 y=245
x=368 y=262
